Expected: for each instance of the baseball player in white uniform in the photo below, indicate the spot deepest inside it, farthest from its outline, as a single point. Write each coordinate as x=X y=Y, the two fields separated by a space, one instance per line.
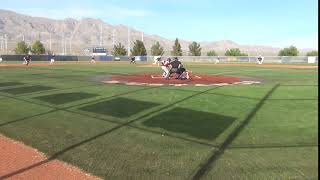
x=157 y=60
x=165 y=66
x=260 y=59
x=217 y=60
x=52 y=58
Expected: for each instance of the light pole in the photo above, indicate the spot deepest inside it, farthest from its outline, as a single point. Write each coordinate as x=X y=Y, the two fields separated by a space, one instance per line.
x=128 y=41
x=6 y=42
x=142 y=36
x=50 y=42
x=1 y=43
x=113 y=37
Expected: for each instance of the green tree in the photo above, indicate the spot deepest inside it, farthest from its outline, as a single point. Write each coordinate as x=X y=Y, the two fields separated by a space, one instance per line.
x=176 y=49
x=138 y=49
x=212 y=53
x=21 y=48
x=119 y=50
x=38 y=48
x=312 y=53
x=290 y=51
x=195 y=49
x=235 y=52
x=157 y=49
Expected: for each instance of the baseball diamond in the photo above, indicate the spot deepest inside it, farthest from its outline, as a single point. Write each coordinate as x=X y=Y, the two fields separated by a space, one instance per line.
x=116 y=120
x=159 y=90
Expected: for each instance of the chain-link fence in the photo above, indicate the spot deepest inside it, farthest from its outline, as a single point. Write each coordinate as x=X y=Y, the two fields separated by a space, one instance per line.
x=199 y=59
x=241 y=59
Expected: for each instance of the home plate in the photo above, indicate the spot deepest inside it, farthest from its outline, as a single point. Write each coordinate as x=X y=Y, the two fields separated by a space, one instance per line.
x=198 y=77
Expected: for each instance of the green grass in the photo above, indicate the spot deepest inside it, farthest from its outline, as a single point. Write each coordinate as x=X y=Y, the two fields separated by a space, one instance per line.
x=7 y=84
x=119 y=107
x=27 y=89
x=135 y=132
x=181 y=120
x=65 y=97
x=267 y=163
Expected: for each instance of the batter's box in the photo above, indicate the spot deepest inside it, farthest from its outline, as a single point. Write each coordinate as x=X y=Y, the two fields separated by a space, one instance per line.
x=63 y=98
x=197 y=124
x=8 y=84
x=119 y=107
x=27 y=89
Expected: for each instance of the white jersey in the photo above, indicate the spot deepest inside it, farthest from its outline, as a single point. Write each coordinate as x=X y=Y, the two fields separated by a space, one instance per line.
x=156 y=59
x=165 y=63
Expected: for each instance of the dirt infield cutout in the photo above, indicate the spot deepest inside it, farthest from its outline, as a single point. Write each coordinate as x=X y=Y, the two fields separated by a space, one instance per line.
x=63 y=98
x=119 y=107
x=15 y=156
x=27 y=89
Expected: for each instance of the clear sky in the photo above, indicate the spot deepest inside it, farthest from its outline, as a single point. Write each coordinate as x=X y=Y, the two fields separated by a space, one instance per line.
x=278 y=23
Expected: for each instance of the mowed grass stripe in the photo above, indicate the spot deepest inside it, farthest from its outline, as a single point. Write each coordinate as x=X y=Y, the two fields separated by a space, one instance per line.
x=63 y=98
x=119 y=107
x=202 y=125
x=25 y=90
x=7 y=84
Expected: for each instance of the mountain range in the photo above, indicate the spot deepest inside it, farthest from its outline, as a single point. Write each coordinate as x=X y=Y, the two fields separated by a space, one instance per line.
x=71 y=36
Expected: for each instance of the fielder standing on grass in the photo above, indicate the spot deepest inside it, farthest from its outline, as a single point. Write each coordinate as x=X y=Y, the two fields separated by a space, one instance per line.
x=93 y=60
x=133 y=60
x=260 y=59
x=52 y=56
x=27 y=59
x=0 y=59
x=217 y=60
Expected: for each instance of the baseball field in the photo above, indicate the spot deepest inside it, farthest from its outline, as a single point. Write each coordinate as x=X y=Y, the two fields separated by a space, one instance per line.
x=267 y=130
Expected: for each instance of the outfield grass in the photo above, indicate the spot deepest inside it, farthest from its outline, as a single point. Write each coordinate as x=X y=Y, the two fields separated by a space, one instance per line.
x=265 y=131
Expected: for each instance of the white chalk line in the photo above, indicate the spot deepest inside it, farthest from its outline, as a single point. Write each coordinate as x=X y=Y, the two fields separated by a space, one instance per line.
x=156 y=77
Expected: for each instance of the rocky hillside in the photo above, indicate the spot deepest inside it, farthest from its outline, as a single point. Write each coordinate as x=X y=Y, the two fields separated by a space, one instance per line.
x=74 y=36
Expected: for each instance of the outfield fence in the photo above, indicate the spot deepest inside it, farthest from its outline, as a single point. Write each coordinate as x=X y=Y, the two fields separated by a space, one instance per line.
x=200 y=59
x=244 y=59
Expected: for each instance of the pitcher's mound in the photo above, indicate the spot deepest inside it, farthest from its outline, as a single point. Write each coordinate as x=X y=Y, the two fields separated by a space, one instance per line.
x=195 y=80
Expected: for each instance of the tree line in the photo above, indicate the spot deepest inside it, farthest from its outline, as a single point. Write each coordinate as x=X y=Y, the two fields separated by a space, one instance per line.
x=157 y=50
